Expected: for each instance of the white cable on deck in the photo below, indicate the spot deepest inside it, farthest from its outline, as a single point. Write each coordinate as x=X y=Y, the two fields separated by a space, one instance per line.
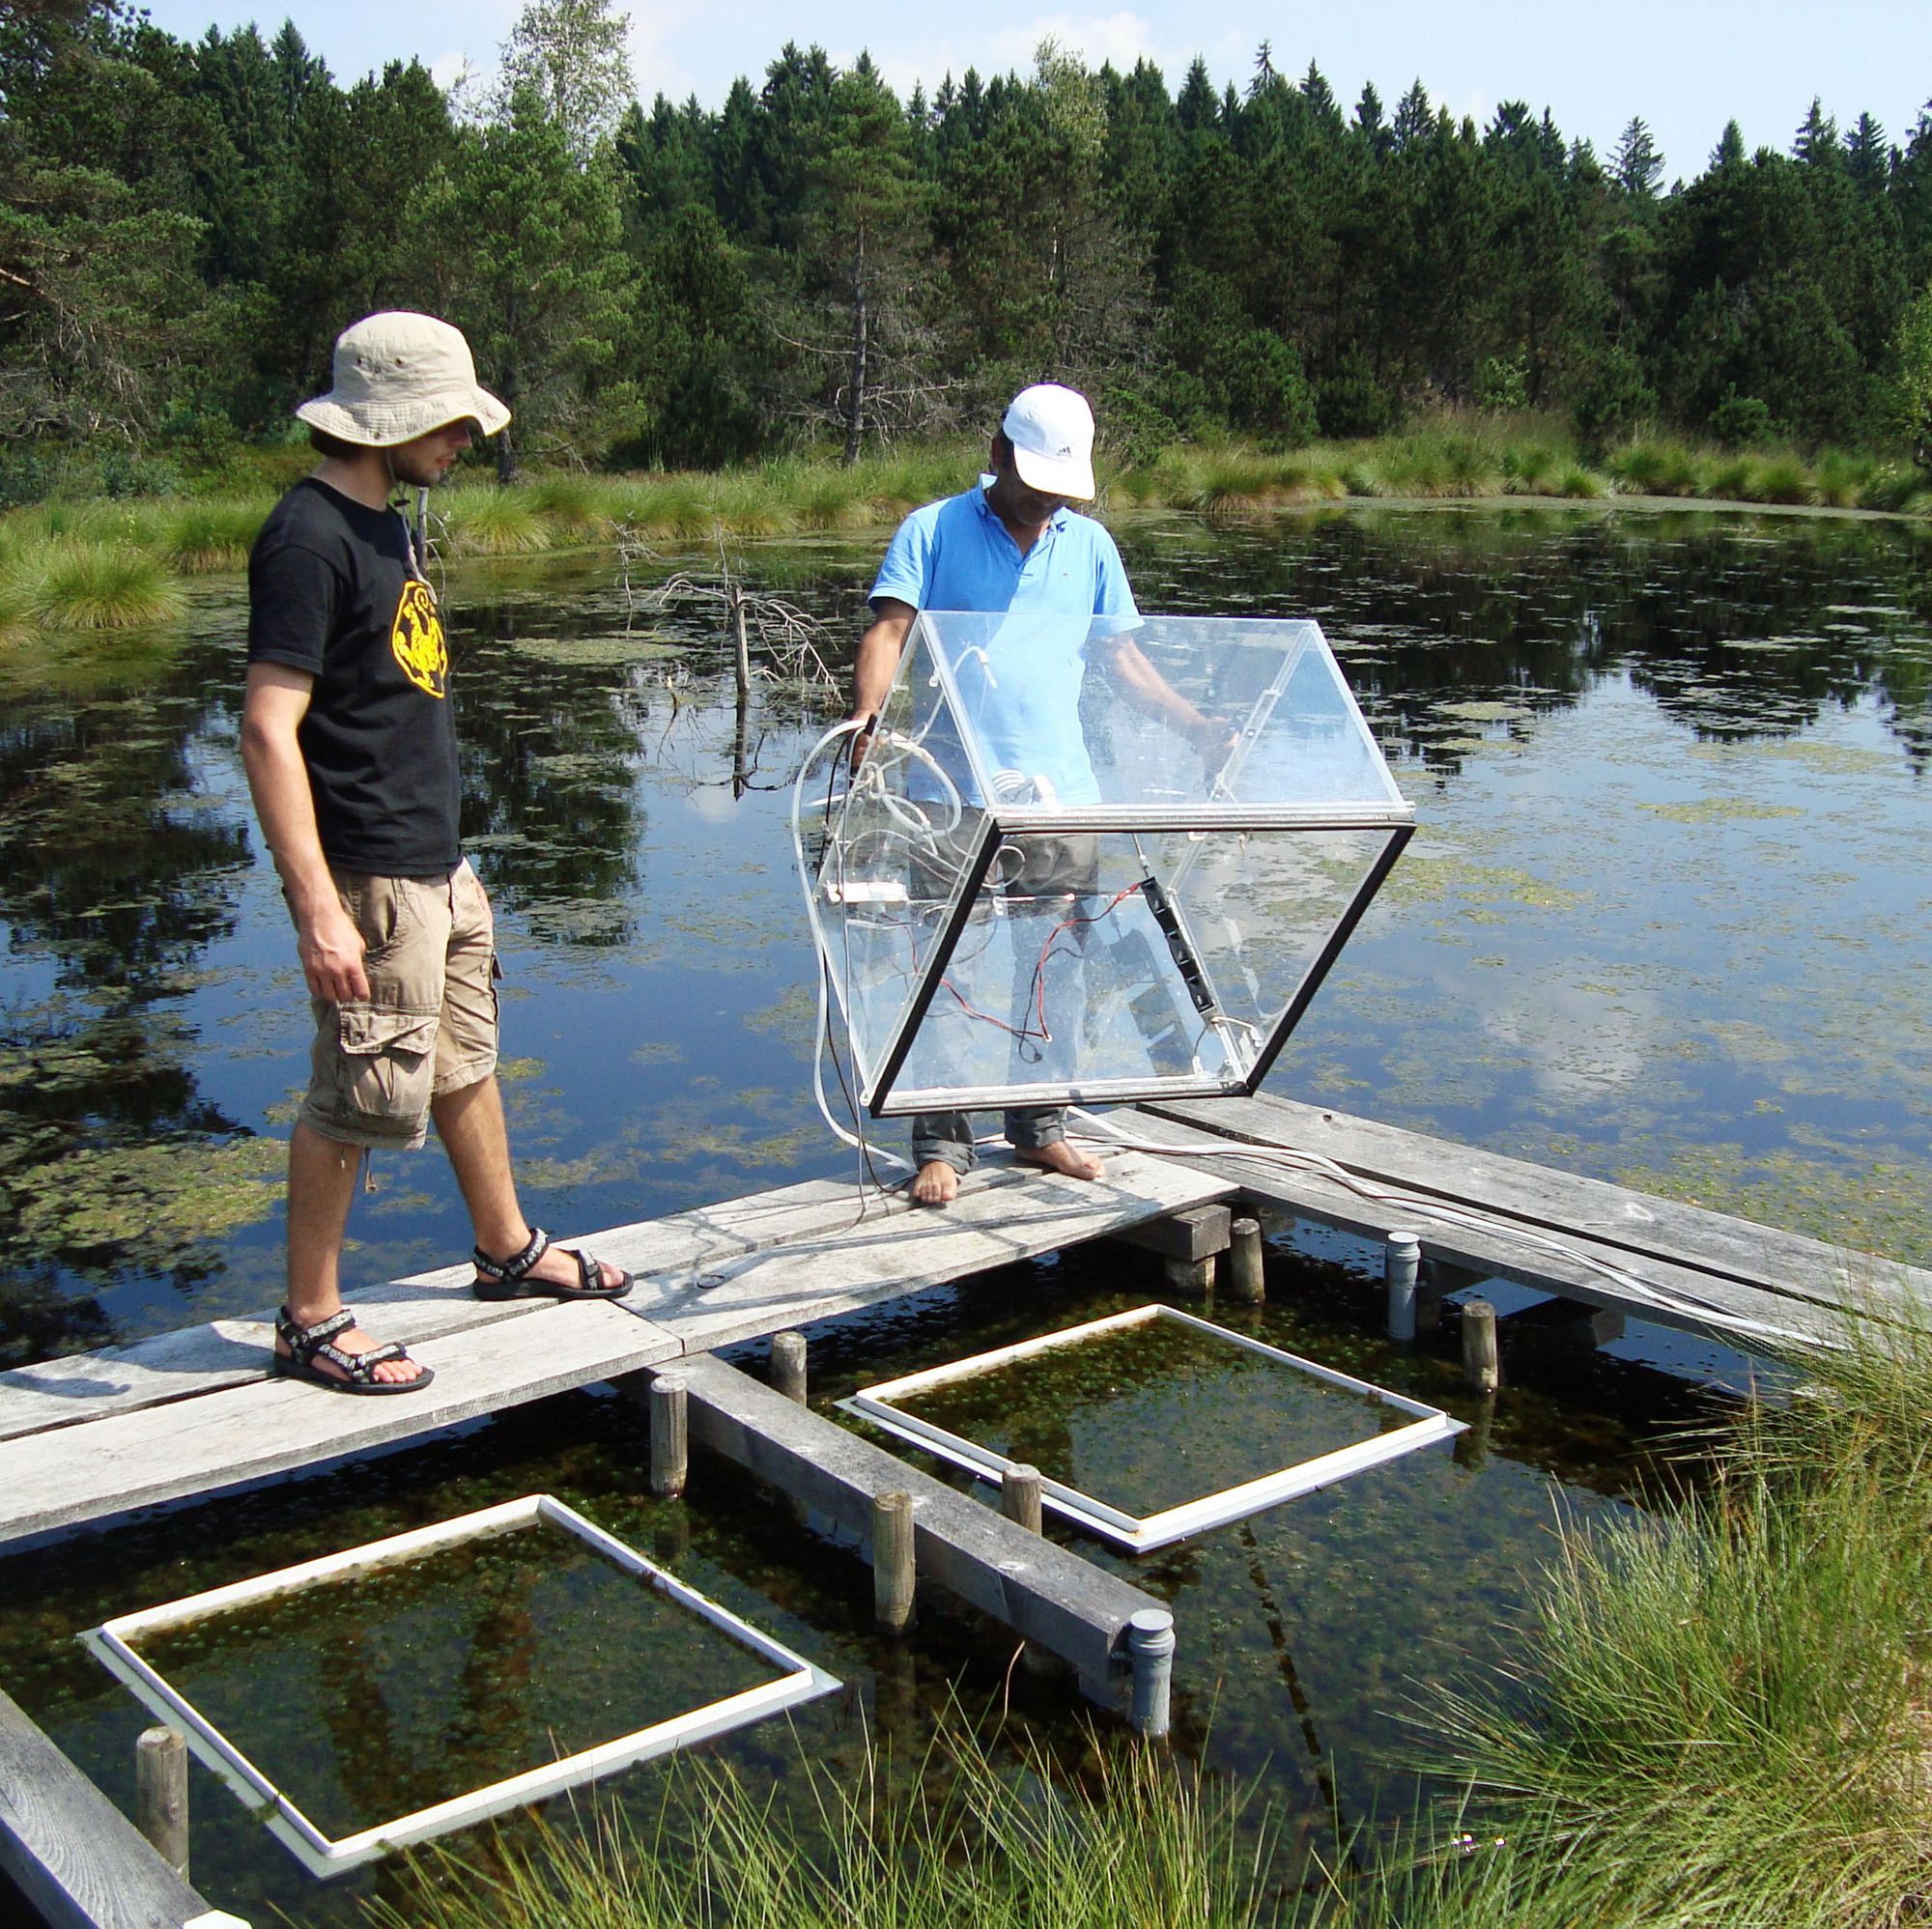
x=1688 y=1305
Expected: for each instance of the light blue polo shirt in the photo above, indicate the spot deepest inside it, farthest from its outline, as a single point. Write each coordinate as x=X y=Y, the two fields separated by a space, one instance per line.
x=1024 y=689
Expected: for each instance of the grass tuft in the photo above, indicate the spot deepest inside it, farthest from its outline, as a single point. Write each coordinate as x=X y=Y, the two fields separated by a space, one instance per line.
x=1726 y=1712
x=75 y=585
x=485 y=521
x=972 y=1846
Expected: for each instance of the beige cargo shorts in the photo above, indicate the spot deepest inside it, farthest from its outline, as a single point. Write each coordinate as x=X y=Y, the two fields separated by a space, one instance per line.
x=429 y=1025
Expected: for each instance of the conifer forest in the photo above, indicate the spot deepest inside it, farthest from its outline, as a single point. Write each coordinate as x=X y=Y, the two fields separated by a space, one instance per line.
x=821 y=264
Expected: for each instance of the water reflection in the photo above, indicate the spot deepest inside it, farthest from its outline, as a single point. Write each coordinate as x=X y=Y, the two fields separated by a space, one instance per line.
x=1666 y=765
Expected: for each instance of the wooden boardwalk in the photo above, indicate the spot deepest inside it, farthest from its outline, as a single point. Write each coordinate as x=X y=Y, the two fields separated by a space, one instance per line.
x=1580 y=1239
x=96 y=1434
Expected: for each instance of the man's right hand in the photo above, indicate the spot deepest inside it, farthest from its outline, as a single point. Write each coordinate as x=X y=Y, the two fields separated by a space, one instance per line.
x=861 y=737
x=331 y=949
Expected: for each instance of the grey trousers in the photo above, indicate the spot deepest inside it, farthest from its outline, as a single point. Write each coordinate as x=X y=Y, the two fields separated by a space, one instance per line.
x=1052 y=866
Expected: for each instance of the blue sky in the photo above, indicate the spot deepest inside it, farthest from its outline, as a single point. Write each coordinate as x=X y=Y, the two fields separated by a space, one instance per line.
x=1685 y=68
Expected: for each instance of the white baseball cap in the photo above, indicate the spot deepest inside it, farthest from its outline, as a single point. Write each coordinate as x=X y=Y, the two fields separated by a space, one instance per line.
x=397 y=377
x=1051 y=429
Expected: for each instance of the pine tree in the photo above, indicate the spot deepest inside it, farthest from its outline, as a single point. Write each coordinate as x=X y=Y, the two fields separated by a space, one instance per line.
x=1636 y=167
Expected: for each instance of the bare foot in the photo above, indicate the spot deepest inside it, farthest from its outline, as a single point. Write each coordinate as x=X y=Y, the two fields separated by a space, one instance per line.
x=935 y=1183
x=1061 y=1157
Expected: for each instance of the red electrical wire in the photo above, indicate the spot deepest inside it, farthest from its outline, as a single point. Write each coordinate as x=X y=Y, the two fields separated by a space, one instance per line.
x=1037 y=998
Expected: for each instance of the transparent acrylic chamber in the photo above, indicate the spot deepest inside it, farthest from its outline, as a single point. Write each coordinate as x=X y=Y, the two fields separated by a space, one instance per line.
x=1049 y=881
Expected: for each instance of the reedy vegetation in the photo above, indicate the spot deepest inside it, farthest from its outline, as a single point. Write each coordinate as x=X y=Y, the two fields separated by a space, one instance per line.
x=57 y=556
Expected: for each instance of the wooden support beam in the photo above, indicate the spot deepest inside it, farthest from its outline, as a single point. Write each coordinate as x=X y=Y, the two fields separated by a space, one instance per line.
x=1020 y=1494
x=160 y=1794
x=1043 y=1591
x=789 y=1365
x=1247 y=1278
x=1195 y=1233
x=1481 y=1362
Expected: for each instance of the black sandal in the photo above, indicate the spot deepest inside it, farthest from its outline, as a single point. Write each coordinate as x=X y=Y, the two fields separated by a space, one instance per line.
x=509 y=1279
x=306 y=1343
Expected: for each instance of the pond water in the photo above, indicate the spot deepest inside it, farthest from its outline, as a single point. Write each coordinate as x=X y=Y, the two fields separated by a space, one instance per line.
x=1664 y=921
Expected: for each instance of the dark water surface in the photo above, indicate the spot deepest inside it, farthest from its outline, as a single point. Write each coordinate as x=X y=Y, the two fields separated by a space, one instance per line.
x=1665 y=920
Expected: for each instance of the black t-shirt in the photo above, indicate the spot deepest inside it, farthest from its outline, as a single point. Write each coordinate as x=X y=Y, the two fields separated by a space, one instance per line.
x=331 y=592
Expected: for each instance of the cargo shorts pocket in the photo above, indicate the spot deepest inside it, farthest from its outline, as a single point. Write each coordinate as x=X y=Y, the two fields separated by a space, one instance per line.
x=388 y=1063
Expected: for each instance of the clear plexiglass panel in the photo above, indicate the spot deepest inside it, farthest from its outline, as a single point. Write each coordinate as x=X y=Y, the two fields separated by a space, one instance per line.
x=1114 y=964
x=1079 y=863
x=1064 y=713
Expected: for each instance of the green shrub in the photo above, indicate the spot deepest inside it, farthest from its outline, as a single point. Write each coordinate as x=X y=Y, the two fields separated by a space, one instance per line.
x=1742 y=421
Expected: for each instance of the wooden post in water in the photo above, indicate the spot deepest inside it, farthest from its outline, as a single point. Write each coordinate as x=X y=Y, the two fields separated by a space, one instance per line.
x=671 y=1439
x=1472 y=1445
x=1402 y=1260
x=1019 y=1497
x=893 y=1581
x=160 y=1794
x=789 y=1365
x=1481 y=1362
x=1151 y=1648
x=1246 y=1281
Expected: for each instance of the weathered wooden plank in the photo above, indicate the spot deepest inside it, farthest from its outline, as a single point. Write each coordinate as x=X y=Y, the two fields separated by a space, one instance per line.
x=898 y=1248
x=74 y=1857
x=1038 y=1588
x=1785 y=1264
x=425 y=1306
x=89 y=1472
x=223 y=1353
x=1692 y=1300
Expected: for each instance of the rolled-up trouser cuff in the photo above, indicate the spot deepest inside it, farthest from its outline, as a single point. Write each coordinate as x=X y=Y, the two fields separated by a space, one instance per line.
x=944 y=1136
x=1031 y=1127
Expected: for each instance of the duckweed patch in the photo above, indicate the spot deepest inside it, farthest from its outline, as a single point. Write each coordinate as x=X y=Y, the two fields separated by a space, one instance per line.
x=1722 y=810
x=600 y=652
x=1867 y=1205
x=154 y=1205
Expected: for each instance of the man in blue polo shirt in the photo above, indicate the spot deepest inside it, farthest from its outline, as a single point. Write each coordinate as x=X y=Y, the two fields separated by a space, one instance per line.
x=1011 y=545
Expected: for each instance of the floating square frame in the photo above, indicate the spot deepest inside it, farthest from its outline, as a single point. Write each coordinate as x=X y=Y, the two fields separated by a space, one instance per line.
x=797 y=1681
x=1137 y=1534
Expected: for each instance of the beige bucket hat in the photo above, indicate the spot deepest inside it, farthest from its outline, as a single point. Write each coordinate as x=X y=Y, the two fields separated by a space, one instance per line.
x=398 y=376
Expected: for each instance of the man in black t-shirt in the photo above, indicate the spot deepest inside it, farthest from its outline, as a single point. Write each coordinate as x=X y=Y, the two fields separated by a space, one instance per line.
x=350 y=753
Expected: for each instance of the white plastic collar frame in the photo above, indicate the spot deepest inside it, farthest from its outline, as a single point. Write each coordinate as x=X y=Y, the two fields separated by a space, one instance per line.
x=796 y=1681
x=1142 y=1534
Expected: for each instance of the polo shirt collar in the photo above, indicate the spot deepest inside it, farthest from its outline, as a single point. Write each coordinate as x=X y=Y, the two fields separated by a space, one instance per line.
x=1056 y=521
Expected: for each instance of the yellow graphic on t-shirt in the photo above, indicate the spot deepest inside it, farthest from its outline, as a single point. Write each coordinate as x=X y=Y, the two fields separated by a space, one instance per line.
x=417 y=640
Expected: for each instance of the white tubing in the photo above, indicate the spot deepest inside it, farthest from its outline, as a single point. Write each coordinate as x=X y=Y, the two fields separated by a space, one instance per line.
x=823 y=1034
x=1687 y=1305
